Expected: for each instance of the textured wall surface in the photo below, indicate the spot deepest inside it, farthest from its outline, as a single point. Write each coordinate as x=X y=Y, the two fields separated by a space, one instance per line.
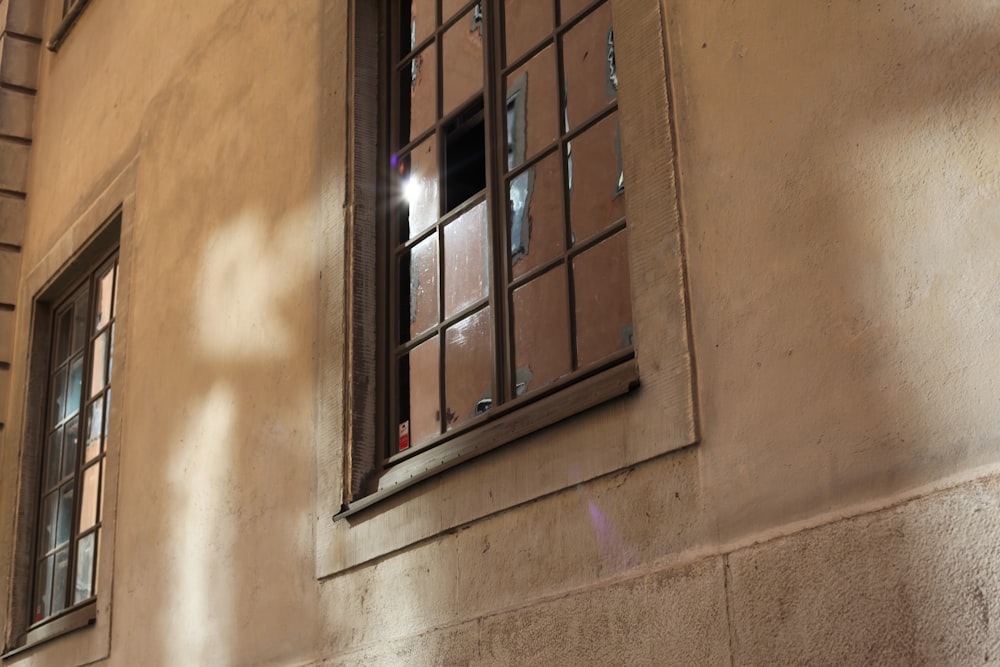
x=839 y=190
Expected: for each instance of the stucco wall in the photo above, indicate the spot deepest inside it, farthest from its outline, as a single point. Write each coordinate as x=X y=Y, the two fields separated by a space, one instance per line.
x=840 y=197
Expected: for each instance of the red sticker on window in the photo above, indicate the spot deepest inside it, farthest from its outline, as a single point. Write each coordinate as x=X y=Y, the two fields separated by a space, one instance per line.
x=404 y=435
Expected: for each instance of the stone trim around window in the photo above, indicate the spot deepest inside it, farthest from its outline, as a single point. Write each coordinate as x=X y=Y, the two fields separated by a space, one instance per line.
x=84 y=633
x=656 y=418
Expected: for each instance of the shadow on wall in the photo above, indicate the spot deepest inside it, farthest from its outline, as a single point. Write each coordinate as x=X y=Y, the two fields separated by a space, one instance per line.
x=215 y=521
x=842 y=193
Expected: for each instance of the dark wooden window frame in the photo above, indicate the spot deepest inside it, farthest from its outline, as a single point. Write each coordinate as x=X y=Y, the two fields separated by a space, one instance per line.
x=373 y=474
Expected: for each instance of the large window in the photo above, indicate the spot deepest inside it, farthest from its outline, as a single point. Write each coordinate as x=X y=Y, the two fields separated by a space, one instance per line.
x=74 y=444
x=503 y=252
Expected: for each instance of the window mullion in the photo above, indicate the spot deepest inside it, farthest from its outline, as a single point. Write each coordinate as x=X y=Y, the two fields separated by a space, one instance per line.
x=494 y=104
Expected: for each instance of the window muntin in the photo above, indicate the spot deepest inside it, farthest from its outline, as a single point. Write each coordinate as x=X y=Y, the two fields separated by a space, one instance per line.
x=506 y=247
x=71 y=492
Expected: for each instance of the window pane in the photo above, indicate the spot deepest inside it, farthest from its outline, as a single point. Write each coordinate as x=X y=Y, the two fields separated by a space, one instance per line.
x=111 y=352
x=98 y=356
x=420 y=407
x=64 y=524
x=526 y=23
x=468 y=368
x=70 y=443
x=102 y=309
x=57 y=396
x=419 y=274
x=418 y=94
x=50 y=508
x=465 y=262
x=532 y=107
x=463 y=62
x=537 y=226
x=88 y=497
x=450 y=7
x=53 y=451
x=43 y=588
x=84 y=578
x=107 y=418
x=570 y=8
x=603 y=306
x=418 y=22
x=95 y=429
x=541 y=330
x=75 y=386
x=586 y=66
x=60 y=579
x=596 y=199
x=417 y=188
x=80 y=321
x=63 y=333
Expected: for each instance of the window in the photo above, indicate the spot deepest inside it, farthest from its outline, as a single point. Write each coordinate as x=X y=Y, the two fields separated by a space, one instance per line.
x=503 y=253
x=71 y=488
x=70 y=11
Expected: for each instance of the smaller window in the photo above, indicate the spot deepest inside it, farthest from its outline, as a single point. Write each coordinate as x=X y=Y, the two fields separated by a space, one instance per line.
x=74 y=444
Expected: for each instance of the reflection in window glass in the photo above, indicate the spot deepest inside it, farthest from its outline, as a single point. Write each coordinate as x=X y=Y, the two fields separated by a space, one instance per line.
x=595 y=197
x=418 y=109
x=468 y=368
x=465 y=260
x=533 y=107
x=526 y=23
x=536 y=216
x=541 y=328
x=585 y=66
x=417 y=188
x=603 y=308
x=418 y=22
x=420 y=408
x=463 y=63
x=420 y=270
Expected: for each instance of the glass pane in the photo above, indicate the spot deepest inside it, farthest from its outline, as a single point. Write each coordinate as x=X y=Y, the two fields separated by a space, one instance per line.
x=64 y=524
x=53 y=450
x=63 y=329
x=114 y=296
x=43 y=588
x=420 y=407
x=95 y=429
x=596 y=196
x=418 y=94
x=532 y=107
x=450 y=7
x=84 y=585
x=541 y=330
x=111 y=351
x=420 y=25
x=70 y=444
x=418 y=188
x=75 y=386
x=586 y=66
x=526 y=23
x=80 y=322
x=419 y=274
x=60 y=579
x=463 y=62
x=97 y=365
x=107 y=418
x=468 y=368
x=58 y=396
x=537 y=226
x=88 y=497
x=50 y=506
x=603 y=302
x=465 y=260
x=102 y=310
x=570 y=8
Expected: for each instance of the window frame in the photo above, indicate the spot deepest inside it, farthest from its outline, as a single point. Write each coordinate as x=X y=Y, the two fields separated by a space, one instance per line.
x=84 y=630
x=516 y=415
x=661 y=416
x=47 y=311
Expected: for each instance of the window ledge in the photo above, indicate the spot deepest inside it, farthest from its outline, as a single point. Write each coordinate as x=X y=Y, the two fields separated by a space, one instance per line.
x=81 y=617
x=68 y=21
x=504 y=428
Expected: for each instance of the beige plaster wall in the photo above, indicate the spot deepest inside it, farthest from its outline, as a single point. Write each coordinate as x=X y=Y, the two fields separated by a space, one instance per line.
x=840 y=193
